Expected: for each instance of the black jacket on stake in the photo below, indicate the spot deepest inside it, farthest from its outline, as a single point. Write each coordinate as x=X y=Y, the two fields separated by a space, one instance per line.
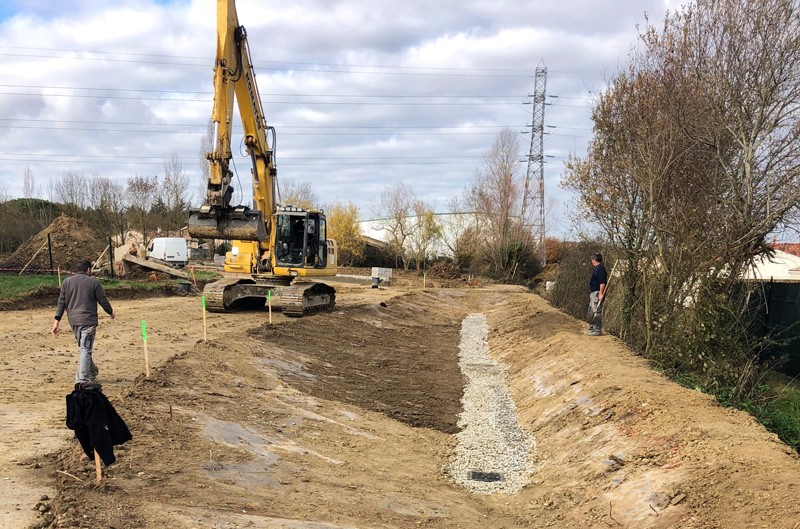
x=96 y=423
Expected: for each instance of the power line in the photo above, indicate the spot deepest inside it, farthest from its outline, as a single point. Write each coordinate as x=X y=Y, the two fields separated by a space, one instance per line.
x=284 y=162
x=162 y=56
x=313 y=127
x=177 y=60
x=367 y=134
x=170 y=128
x=270 y=102
x=210 y=94
x=117 y=157
x=182 y=60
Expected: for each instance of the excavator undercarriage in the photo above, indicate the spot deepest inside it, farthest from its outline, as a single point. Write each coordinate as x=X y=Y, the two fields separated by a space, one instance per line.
x=296 y=300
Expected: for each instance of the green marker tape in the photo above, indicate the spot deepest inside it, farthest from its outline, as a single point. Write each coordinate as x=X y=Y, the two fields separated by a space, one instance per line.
x=204 y=302
x=144 y=330
x=269 y=295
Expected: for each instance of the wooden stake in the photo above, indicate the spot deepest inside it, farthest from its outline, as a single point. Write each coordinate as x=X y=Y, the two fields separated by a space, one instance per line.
x=146 y=362
x=269 y=305
x=191 y=268
x=94 y=266
x=205 y=329
x=97 y=467
x=424 y=279
x=70 y=475
x=32 y=258
x=146 y=357
x=59 y=277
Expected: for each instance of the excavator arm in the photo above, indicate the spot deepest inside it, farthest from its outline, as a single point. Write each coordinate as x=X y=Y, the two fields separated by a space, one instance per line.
x=234 y=78
x=270 y=246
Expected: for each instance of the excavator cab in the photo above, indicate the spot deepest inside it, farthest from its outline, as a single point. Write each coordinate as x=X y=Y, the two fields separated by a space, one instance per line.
x=300 y=239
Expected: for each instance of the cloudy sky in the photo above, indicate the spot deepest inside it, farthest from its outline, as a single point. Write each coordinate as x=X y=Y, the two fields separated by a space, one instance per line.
x=363 y=93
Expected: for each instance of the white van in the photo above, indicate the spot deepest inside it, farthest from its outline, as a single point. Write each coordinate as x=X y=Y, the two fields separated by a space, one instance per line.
x=171 y=250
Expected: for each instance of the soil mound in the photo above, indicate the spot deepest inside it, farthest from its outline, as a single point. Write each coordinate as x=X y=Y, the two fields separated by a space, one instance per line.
x=72 y=240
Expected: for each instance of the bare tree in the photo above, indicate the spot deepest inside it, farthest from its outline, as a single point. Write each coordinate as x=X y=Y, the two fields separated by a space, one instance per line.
x=28 y=183
x=174 y=193
x=142 y=192
x=462 y=232
x=299 y=194
x=206 y=146
x=107 y=206
x=496 y=195
x=395 y=210
x=8 y=237
x=70 y=190
x=51 y=190
x=425 y=232
x=696 y=159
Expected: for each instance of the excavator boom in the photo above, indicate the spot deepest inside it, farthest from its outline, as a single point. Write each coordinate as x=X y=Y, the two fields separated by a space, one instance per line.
x=234 y=76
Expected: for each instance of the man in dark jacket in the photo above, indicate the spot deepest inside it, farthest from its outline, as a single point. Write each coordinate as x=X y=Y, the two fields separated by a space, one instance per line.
x=80 y=295
x=597 y=290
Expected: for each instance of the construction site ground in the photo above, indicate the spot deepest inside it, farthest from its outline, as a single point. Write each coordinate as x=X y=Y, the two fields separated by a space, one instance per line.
x=347 y=419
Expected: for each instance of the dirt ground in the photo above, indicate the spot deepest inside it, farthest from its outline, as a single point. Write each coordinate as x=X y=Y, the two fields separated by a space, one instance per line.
x=346 y=420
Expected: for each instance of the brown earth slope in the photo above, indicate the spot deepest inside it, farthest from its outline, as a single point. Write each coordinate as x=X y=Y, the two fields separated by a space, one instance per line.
x=71 y=241
x=346 y=419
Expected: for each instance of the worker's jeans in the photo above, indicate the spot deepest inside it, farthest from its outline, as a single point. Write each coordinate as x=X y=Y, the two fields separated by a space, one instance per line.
x=87 y=371
x=594 y=316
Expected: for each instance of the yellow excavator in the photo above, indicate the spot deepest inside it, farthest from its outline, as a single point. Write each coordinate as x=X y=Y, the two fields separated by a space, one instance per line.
x=275 y=249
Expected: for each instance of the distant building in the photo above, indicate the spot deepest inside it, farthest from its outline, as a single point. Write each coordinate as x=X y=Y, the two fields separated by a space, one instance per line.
x=782 y=266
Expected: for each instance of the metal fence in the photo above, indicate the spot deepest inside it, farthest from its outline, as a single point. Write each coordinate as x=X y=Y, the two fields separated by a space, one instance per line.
x=779 y=318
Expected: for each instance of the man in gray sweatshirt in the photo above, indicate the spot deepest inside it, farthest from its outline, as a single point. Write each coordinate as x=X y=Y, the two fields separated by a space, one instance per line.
x=80 y=295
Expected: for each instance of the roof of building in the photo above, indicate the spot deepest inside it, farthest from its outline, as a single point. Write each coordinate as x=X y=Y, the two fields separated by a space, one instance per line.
x=781 y=266
x=788 y=247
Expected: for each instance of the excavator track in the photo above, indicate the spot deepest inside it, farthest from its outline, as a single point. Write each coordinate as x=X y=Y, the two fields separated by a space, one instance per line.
x=297 y=299
x=300 y=299
x=215 y=295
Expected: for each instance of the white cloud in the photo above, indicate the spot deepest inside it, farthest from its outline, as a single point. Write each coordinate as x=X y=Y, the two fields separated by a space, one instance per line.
x=363 y=93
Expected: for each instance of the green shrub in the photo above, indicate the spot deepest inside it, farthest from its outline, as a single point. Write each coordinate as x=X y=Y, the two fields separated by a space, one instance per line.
x=782 y=416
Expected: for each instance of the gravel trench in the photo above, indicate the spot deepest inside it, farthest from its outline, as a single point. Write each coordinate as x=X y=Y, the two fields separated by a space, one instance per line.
x=492 y=455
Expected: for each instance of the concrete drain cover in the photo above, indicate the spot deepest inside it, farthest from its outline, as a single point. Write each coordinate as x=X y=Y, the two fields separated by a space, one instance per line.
x=476 y=475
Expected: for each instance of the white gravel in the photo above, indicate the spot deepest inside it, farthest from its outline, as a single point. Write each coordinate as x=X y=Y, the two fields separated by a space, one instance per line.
x=492 y=443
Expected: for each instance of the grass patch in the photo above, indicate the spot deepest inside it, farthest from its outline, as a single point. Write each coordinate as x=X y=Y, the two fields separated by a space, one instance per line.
x=205 y=275
x=783 y=418
x=781 y=415
x=13 y=286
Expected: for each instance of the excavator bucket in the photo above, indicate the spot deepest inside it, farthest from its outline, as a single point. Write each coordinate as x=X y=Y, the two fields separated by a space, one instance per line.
x=233 y=224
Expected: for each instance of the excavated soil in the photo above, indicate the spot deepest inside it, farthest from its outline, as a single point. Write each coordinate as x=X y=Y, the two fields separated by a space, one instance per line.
x=71 y=241
x=347 y=420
